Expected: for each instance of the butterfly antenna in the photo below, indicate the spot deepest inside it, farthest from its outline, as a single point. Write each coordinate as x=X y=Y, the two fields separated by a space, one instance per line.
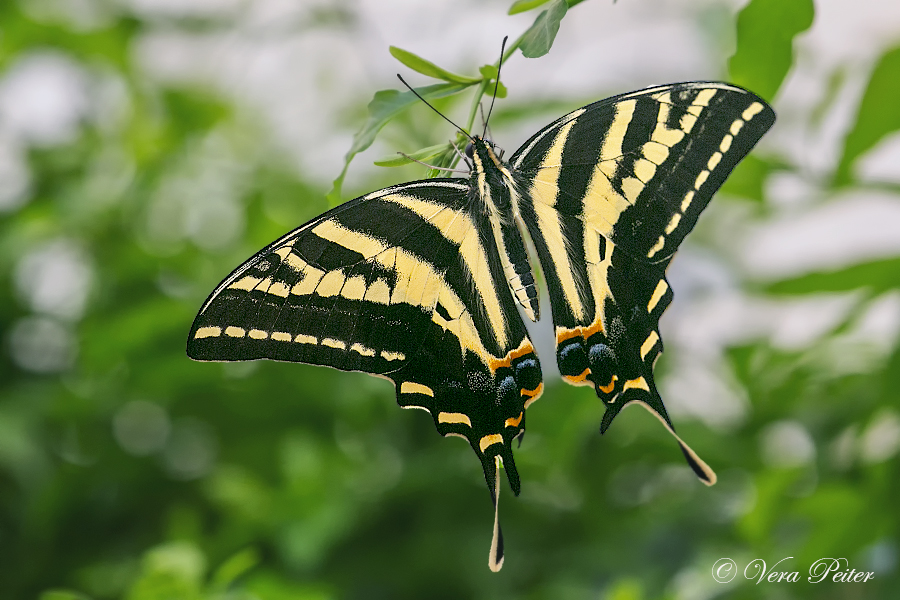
x=464 y=158
x=496 y=85
x=436 y=168
x=410 y=88
x=487 y=128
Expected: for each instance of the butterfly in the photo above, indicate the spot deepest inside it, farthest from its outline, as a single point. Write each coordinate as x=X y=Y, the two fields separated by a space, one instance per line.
x=421 y=283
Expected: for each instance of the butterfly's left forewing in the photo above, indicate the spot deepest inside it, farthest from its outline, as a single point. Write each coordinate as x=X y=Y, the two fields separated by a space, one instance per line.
x=608 y=192
x=405 y=283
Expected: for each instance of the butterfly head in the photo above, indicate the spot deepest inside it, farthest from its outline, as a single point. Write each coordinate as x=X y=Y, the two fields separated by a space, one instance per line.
x=483 y=153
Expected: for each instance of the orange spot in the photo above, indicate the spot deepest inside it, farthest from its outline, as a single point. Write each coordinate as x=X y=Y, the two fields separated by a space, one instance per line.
x=533 y=394
x=511 y=422
x=577 y=379
x=595 y=327
x=567 y=334
x=583 y=332
x=524 y=349
x=606 y=389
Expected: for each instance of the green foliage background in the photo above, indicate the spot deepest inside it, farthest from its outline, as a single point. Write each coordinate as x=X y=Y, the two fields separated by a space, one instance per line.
x=128 y=471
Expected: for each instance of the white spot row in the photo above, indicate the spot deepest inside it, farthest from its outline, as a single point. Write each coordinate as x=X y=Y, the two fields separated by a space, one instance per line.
x=714 y=160
x=300 y=338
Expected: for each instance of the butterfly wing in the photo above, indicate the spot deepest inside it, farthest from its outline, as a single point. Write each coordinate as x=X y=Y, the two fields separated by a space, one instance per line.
x=609 y=191
x=403 y=283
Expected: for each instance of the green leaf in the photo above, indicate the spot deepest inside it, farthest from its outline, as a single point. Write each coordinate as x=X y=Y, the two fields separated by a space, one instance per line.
x=488 y=71
x=520 y=6
x=765 y=35
x=386 y=105
x=877 y=276
x=173 y=570
x=877 y=116
x=539 y=37
x=398 y=160
x=237 y=565
x=425 y=67
x=832 y=89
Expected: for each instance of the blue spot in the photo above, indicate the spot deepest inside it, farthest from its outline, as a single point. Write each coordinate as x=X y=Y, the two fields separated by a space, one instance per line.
x=528 y=374
x=601 y=353
x=506 y=387
x=528 y=363
x=565 y=352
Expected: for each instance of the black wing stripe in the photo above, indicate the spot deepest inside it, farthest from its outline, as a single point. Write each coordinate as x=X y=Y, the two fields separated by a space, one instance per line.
x=551 y=233
x=580 y=155
x=632 y=169
x=418 y=281
x=478 y=267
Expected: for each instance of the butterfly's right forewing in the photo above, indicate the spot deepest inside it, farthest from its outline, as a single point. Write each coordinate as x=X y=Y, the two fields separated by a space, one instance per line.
x=609 y=193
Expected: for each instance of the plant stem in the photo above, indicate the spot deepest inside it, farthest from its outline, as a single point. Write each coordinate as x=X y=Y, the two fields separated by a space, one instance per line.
x=482 y=88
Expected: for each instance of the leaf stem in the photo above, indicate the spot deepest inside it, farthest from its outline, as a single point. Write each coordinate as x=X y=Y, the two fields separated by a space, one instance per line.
x=482 y=89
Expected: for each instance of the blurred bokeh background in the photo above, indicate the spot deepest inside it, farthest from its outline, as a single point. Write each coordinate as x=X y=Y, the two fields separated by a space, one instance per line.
x=147 y=147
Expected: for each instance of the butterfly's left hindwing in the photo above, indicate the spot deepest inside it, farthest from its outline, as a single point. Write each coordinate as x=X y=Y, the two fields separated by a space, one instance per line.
x=404 y=283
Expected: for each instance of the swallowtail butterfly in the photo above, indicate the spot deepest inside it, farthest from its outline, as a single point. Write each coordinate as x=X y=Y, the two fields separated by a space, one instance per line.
x=420 y=283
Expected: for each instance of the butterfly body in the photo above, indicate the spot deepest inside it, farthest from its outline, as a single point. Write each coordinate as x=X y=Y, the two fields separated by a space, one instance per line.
x=420 y=282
